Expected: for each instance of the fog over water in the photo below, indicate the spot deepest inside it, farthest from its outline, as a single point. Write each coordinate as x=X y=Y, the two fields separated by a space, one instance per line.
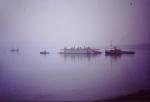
x=29 y=76
x=28 y=27
x=58 y=23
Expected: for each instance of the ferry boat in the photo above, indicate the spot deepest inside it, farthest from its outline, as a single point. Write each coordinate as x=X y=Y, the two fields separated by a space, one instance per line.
x=79 y=50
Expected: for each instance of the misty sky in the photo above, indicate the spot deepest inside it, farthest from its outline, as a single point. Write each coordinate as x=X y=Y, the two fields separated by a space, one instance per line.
x=74 y=22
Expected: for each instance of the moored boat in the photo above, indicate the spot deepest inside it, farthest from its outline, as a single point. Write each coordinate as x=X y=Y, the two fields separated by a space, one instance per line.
x=80 y=50
x=117 y=51
x=14 y=50
x=44 y=52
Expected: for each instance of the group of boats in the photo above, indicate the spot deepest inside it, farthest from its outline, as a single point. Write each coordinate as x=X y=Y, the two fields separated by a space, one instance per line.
x=86 y=50
x=89 y=50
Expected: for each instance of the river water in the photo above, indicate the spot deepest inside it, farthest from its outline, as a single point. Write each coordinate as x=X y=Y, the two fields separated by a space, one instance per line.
x=29 y=76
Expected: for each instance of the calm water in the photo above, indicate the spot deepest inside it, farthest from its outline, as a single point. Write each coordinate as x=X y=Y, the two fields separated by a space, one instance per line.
x=28 y=76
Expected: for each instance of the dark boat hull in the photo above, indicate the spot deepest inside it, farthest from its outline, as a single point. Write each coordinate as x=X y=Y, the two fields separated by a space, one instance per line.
x=119 y=53
x=14 y=50
x=44 y=53
x=128 y=52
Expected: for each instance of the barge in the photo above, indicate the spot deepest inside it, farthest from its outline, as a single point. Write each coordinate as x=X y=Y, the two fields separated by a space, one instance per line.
x=79 y=50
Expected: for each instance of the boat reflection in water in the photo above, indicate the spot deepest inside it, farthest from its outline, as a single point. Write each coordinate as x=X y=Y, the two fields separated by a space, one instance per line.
x=114 y=58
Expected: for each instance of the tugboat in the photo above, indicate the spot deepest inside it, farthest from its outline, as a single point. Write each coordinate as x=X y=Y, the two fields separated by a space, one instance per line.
x=80 y=50
x=44 y=52
x=117 y=51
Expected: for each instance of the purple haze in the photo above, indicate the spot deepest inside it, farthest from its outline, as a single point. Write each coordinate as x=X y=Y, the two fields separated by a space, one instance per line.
x=55 y=23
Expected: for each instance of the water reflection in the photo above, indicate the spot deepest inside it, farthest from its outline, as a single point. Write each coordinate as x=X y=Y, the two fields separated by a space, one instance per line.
x=14 y=53
x=79 y=56
x=31 y=76
x=114 y=58
x=118 y=56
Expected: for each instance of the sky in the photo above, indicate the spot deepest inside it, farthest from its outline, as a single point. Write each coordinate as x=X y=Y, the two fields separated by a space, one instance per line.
x=58 y=23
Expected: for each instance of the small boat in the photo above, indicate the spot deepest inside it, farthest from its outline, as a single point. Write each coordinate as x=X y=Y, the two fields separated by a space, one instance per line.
x=117 y=51
x=14 y=50
x=44 y=52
